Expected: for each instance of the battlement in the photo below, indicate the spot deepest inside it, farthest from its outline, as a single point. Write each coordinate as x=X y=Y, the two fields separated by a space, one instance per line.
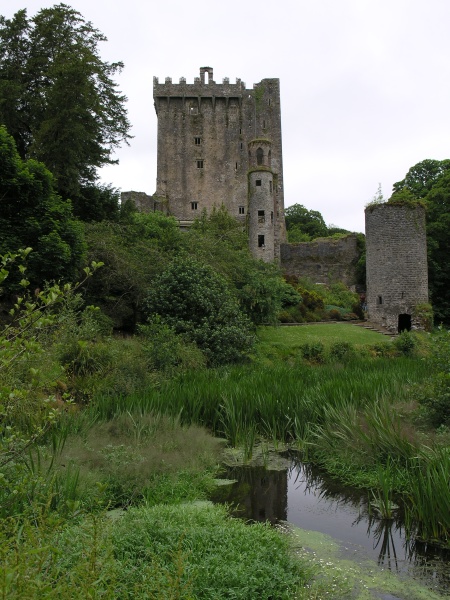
x=202 y=86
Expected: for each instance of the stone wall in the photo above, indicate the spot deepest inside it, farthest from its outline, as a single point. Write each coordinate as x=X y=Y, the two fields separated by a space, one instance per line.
x=324 y=260
x=204 y=132
x=143 y=202
x=397 y=275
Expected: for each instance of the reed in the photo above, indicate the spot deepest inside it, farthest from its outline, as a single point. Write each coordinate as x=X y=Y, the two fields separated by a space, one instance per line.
x=383 y=497
x=279 y=403
x=428 y=497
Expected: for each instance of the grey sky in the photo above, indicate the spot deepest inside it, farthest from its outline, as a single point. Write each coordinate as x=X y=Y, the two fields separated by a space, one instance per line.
x=365 y=90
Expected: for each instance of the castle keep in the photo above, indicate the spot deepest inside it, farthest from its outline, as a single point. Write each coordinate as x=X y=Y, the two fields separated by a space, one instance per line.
x=220 y=144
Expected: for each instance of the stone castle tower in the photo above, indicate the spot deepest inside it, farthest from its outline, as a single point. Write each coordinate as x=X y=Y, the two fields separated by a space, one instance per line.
x=397 y=276
x=220 y=144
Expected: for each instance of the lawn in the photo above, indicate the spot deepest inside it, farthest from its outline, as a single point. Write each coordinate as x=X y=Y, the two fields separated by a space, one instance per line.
x=326 y=333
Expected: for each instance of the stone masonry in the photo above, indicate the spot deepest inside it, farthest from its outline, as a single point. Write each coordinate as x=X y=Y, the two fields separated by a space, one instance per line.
x=324 y=260
x=220 y=144
x=397 y=276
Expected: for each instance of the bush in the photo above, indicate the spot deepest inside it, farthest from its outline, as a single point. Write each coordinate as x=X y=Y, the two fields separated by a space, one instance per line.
x=436 y=394
x=334 y=314
x=313 y=352
x=406 y=343
x=196 y=302
x=167 y=351
x=341 y=350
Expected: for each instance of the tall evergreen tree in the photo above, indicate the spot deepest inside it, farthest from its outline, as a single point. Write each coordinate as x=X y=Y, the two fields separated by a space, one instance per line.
x=58 y=98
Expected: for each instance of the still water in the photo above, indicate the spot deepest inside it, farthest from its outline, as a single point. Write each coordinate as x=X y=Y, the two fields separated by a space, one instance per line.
x=302 y=496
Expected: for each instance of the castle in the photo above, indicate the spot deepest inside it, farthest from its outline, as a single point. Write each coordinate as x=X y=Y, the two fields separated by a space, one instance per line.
x=220 y=144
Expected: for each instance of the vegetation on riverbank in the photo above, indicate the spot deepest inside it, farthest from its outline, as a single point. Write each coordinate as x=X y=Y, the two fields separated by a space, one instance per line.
x=119 y=433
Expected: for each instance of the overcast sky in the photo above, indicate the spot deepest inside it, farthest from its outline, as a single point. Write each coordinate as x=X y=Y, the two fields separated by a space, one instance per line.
x=365 y=85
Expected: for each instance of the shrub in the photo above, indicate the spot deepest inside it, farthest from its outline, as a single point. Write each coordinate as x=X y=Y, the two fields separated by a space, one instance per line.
x=196 y=302
x=436 y=395
x=334 y=314
x=167 y=351
x=340 y=350
x=406 y=343
x=313 y=352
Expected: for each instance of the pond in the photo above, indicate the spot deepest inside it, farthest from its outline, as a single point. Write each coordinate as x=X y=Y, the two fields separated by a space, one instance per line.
x=303 y=497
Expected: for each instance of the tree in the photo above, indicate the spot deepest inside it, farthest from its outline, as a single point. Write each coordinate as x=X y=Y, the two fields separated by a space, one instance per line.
x=309 y=222
x=438 y=241
x=429 y=181
x=197 y=303
x=218 y=239
x=134 y=252
x=33 y=215
x=97 y=203
x=58 y=98
x=422 y=177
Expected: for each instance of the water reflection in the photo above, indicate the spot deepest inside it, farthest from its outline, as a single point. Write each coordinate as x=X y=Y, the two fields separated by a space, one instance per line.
x=301 y=495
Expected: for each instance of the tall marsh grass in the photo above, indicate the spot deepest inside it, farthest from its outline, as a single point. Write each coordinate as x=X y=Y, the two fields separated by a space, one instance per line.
x=428 y=497
x=277 y=403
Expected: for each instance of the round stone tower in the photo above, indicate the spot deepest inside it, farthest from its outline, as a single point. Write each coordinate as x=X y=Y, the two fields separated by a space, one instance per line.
x=261 y=205
x=396 y=261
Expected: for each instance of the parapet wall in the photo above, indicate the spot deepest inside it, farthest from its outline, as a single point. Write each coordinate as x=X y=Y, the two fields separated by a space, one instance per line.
x=324 y=260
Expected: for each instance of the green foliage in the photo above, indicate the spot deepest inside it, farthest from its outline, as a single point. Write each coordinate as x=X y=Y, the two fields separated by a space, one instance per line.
x=406 y=343
x=435 y=396
x=321 y=302
x=213 y=547
x=378 y=198
x=96 y=202
x=429 y=182
x=424 y=314
x=59 y=100
x=404 y=197
x=341 y=350
x=197 y=302
x=422 y=177
x=168 y=351
x=309 y=222
x=438 y=241
x=33 y=215
x=313 y=352
x=219 y=240
x=134 y=252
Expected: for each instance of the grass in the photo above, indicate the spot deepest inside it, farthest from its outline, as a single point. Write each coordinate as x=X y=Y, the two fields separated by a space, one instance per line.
x=328 y=334
x=150 y=453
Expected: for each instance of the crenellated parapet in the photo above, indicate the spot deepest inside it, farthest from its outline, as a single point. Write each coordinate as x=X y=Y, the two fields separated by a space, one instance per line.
x=204 y=86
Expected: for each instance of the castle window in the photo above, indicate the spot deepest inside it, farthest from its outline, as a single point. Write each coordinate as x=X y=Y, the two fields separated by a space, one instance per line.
x=199 y=164
x=260 y=241
x=271 y=217
x=261 y=216
x=242 y=210
x=236 y=167
x=264 y=124
x=194 y=205
x=270 y=101
x=259 y=156
x=270 y=186
x=258 y=183
x=242 y=145
x=197 y=141
x=379 y=299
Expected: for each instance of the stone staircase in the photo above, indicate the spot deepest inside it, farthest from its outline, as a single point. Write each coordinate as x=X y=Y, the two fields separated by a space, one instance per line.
x=373 y=327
